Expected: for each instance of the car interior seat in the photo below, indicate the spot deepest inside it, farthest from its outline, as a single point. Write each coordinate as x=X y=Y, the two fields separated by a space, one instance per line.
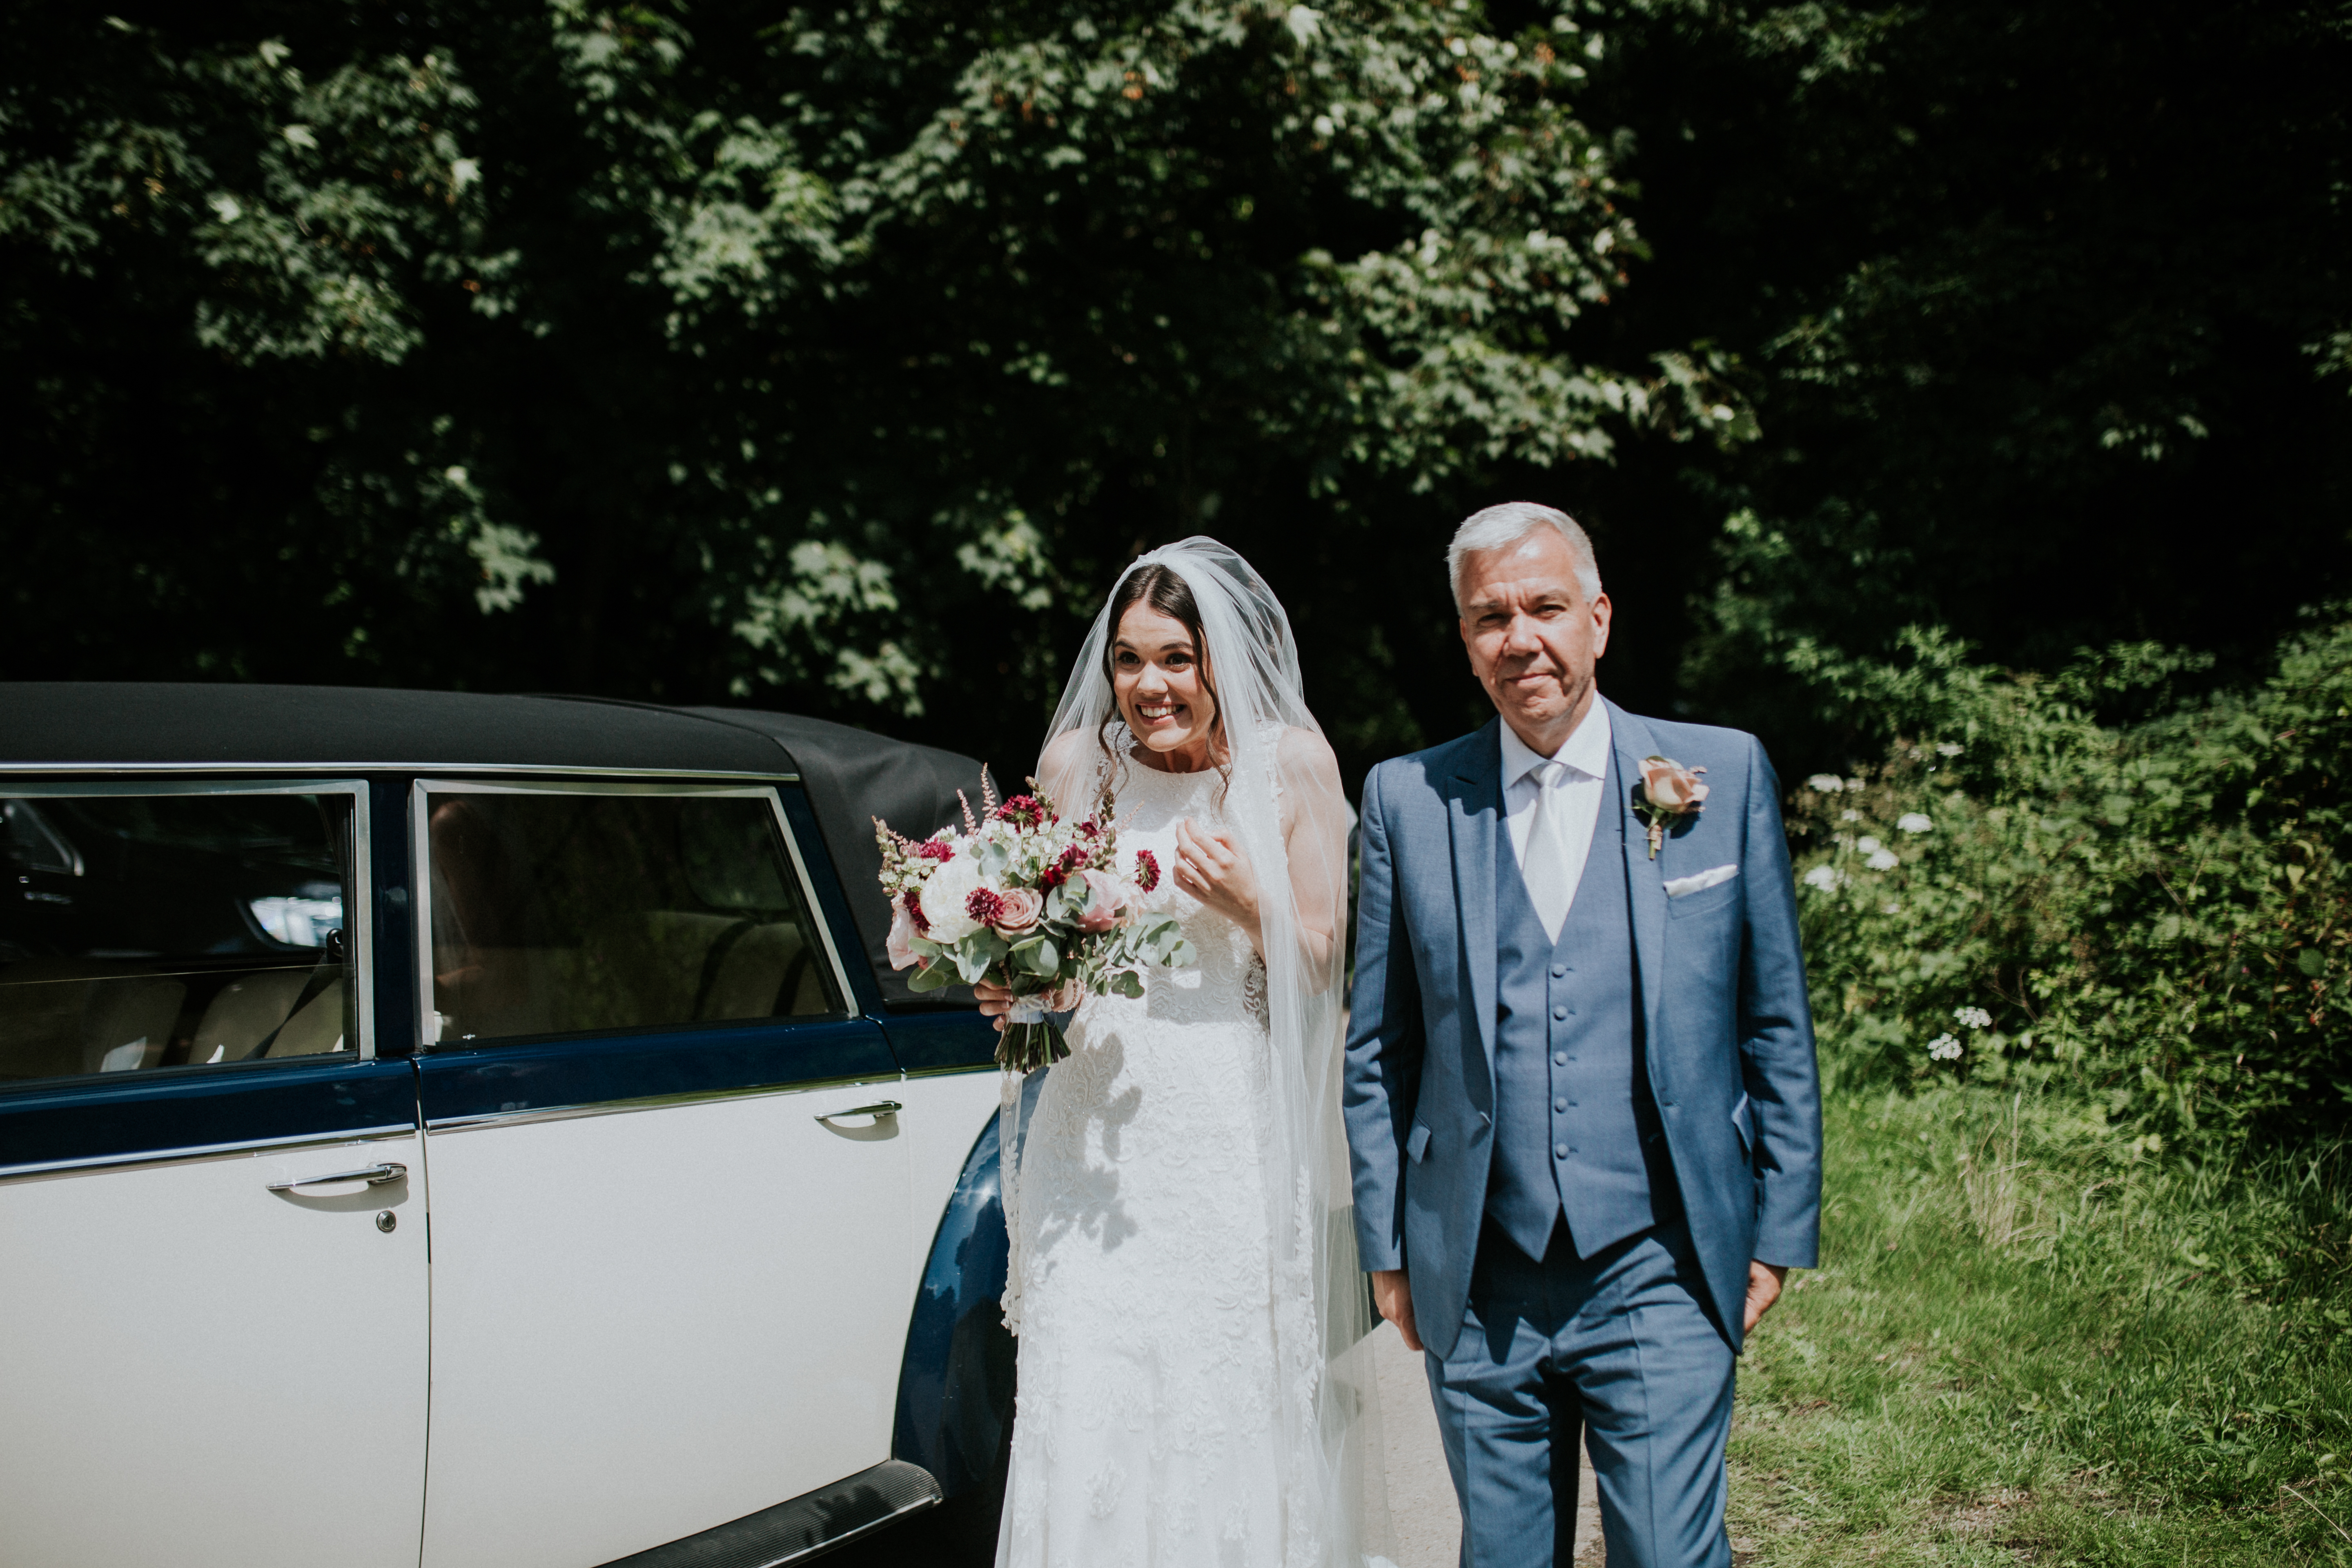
x=64 y=1016
x=127 y=1022
x=244 y=1011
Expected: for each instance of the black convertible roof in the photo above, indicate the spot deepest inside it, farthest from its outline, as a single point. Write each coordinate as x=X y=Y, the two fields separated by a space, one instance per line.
x=851 y=775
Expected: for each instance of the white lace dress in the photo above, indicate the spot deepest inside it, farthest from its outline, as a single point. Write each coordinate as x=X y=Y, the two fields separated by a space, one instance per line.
x=1143 y=1283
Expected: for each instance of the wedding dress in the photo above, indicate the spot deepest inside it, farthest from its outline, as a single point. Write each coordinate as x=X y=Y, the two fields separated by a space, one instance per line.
x=1193 y=1385
x=1143 y=1432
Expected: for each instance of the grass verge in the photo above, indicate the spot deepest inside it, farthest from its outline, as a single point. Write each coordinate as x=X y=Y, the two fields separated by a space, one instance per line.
x=2029 y=1342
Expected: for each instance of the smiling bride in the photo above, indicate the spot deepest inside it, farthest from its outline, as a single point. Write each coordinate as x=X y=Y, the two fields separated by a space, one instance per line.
x=1193 y=1385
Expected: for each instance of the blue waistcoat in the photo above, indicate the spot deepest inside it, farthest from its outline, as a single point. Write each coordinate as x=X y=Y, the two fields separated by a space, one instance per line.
x=1576 y=1127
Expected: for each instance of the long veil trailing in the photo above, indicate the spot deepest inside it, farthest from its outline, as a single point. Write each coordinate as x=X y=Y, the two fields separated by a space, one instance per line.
x=1284 y=801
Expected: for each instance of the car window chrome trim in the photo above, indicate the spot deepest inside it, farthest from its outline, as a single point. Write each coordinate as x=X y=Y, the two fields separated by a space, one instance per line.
x=201 y=1152
x=359 y=916
x=656 y=1103
x=411 y=767
x=428 y=1026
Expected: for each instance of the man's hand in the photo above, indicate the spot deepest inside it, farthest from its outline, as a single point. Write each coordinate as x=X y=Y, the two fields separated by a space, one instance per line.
x=1763 y=1289
x=1394 y=1297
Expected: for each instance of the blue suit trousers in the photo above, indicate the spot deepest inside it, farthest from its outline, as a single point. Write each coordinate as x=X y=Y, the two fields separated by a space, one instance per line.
x=1617 y=1346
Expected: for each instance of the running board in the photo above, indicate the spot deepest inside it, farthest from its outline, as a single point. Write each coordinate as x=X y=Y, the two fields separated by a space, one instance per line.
x=808 y=1526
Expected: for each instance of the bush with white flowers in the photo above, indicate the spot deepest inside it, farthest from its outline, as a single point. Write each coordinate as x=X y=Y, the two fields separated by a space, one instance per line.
x=2156 y=916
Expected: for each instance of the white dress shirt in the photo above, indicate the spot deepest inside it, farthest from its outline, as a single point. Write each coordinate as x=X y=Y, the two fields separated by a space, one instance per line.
x=1552 y=870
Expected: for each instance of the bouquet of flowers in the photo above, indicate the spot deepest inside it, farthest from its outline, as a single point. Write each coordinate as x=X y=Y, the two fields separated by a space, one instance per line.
x=1024 y=901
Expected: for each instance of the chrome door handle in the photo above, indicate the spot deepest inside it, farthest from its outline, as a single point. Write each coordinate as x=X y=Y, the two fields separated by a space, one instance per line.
x=373 y=1175
x=878 y=1109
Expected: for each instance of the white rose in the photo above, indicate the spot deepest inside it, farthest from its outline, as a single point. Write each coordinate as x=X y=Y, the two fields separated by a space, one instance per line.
x=944 y=896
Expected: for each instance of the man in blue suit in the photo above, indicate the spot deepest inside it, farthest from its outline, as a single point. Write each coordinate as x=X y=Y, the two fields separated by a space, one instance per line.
x=1582 y=1097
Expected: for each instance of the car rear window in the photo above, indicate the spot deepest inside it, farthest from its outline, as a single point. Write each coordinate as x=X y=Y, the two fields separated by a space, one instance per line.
x=174 y=927
x=559 y=912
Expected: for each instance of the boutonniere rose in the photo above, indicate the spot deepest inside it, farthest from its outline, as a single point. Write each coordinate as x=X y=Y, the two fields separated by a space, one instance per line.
x=1667 y=790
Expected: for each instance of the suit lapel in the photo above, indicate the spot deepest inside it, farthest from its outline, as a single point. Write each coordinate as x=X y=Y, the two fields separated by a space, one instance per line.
x=1632 y=740
x=1474 y=809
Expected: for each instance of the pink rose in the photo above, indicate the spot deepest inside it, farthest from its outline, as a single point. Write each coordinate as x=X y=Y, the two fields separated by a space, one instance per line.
x=1017 y=911
x=1673 y=787
x=1106 y=901
x=1669 y=790
x=902 y=932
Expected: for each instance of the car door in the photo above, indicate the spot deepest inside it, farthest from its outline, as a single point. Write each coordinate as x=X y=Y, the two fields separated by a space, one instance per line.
x=212 y=1232
x=669 y=1192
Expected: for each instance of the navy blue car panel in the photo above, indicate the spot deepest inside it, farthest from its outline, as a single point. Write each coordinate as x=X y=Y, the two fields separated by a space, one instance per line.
x=459 y=1083
x=128 y=1116
x=831 y=908
x=955 y=1386
x=392 y=991
x=941 y=1041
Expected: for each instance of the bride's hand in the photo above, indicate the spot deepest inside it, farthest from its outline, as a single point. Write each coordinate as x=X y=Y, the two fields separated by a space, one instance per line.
x=995 y=1002
x=1213 y=869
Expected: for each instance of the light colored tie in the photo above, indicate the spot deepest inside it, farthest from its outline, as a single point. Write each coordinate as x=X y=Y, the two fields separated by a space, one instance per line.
x=1544 y=867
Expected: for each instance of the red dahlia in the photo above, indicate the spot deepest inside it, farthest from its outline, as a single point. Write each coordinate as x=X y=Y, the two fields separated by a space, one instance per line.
x=1068 y=863
x=1022 y=810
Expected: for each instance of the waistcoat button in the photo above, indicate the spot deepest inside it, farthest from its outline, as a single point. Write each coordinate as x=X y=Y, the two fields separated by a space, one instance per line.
x=1559 y=1058
x=1559 y=1105
x=1558 y=969
x=1559 y=1150
x=1560 y=1011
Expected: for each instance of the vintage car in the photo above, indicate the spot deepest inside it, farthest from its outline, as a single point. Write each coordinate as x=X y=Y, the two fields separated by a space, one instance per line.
x=478 y=1130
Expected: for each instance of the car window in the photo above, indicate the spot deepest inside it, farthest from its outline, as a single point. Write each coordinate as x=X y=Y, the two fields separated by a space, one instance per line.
x=556 y=913
x=162 y=929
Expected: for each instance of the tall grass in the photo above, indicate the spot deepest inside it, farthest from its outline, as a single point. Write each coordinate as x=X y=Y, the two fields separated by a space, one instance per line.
x=2032 y=1340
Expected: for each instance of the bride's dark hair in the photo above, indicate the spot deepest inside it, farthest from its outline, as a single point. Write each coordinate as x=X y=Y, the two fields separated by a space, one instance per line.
x=1157 y=588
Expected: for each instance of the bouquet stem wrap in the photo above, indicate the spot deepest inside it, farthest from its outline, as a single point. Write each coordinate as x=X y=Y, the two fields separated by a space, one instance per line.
x=1031 y=1039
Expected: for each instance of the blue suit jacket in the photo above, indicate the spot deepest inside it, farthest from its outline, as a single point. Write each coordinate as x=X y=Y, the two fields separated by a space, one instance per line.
x=1723 y=991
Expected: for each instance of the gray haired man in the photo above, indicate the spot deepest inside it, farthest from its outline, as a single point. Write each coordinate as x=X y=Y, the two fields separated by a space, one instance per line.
x=1581 y=1098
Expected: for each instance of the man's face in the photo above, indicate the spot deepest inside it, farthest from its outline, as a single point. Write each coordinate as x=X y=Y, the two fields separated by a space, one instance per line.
x=1532 y=635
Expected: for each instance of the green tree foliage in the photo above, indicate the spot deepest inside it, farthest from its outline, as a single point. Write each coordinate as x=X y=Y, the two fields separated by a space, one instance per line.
x=2154 y=911
x=827 y=356
x=2044 y=311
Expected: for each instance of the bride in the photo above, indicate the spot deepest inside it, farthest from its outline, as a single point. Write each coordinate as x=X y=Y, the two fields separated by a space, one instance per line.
x=1193 y=1384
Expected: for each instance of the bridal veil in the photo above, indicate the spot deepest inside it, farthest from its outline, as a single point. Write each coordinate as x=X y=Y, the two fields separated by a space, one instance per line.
x=1284 y=801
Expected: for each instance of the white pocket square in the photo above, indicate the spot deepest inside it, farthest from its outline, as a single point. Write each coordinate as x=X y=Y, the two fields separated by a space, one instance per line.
x=1700 y=881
